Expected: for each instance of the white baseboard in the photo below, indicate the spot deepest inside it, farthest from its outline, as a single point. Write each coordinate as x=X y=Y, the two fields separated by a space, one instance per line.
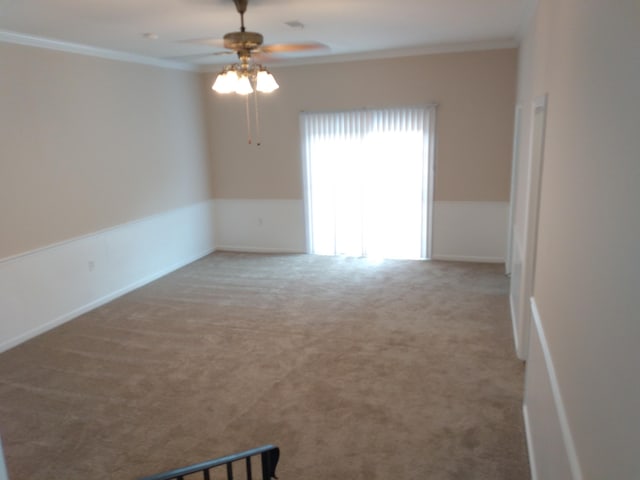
x=470 y=231
x=552 y=452
x=259 y=225
x=44 y=288
x=466 y=258
x=232 y=248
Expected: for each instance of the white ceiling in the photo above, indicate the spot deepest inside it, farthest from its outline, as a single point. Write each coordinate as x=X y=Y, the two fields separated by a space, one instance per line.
x=366 y=28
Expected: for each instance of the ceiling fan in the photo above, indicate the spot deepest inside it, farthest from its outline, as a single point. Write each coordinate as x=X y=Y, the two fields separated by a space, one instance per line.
x=247 y=76
x=247 y=44
x=244 y=42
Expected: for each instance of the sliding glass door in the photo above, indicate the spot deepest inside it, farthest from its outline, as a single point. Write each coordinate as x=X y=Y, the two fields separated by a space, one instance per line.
x=368 y=177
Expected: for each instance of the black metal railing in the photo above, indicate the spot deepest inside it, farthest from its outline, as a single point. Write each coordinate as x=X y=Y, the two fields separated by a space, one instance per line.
x=269 y=455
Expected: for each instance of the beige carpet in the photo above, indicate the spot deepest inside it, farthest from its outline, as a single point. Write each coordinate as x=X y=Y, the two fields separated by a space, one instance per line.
x=399 y=370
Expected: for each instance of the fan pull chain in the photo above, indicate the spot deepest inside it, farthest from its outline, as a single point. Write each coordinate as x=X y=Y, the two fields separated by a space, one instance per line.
x=255 y=104
x=248 y=119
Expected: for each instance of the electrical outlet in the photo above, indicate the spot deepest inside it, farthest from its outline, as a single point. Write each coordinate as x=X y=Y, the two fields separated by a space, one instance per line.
x=92 y=265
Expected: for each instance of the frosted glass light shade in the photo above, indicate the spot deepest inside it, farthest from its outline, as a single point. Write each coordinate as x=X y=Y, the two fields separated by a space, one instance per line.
x=244 y=86
x=265 y=82
x=241 y=80
x=226 y=82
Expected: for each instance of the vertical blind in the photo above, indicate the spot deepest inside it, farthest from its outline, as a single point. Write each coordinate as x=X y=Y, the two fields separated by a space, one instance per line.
x=367 y=181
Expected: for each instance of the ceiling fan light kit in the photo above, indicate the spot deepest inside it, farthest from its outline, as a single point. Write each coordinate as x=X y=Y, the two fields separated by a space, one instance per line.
x=247 y=76
x=244 y=79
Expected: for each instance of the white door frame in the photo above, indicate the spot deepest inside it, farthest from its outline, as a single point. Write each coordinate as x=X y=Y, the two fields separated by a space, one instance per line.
x=431 y=172
x=534 y=181
x=514 y=178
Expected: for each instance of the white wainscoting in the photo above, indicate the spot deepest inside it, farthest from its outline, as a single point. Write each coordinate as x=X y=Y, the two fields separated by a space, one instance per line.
x=470 y=231
x=552 y=452
x=260 y=225
x=49 y=286
x=463 y=231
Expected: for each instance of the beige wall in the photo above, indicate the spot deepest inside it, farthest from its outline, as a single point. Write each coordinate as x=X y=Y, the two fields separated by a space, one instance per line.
x=89 y=143
x=475 y=92
x=585 y=56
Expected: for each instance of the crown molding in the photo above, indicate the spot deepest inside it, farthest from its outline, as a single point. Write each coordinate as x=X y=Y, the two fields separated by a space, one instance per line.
x=70 y=47
x=59 y=45
x=383 y=54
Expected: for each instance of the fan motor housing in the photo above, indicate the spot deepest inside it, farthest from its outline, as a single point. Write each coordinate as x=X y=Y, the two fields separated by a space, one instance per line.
x=242 y=40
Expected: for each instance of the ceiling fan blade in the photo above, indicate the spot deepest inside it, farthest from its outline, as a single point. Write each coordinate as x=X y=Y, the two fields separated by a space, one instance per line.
x=293 y=47
x=260 y=57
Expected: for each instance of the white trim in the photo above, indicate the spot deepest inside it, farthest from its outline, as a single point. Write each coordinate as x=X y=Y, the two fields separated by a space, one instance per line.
x=557 y=395
x=46 y=287
x=514 y=327
x=499 y=44
x=283 y=251
x=515 y=301
x=515 y=148
x=304 y=155
x=530 y=449
x=467 y=258
x=63 y=46
x=532 y=212
x=431 y=166
x=471 y=203
x=97 y=233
